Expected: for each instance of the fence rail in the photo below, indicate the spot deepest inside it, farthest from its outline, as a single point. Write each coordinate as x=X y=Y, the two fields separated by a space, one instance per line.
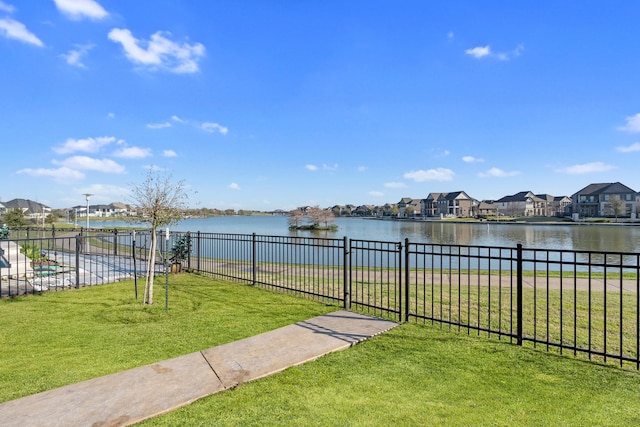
x=583 y=303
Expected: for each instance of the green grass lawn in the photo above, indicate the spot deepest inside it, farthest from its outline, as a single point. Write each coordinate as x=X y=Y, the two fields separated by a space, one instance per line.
x=415 y=376
x=59 y=338
x=412 y=375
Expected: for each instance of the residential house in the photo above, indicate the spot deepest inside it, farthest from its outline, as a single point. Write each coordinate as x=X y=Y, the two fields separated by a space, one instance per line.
x=33 y=210
x=110 y=210
x=388 y=209
x=120 y=209
x=524 y=203
x=487 y=208
x=363 y=210
x=561 y=206
x=599 y=199
x=429 y=206
x=3 y=209
x=408 y=207
x=343 y=210
x=458 y=204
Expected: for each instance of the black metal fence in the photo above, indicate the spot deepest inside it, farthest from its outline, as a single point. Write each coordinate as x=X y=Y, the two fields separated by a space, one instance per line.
x=583 y=303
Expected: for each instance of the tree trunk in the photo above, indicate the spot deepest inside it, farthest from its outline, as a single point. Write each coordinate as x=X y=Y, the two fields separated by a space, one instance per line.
x=148 y=298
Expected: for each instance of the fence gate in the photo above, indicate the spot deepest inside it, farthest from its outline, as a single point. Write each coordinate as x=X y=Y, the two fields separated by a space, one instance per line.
x=375 y=277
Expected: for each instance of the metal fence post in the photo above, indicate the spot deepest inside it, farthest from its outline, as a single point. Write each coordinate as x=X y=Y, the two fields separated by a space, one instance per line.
x=519 y=294
x=133 y=252
x=253 y=258
x=78 y=249
x=189 y=252
x=346 y=283
x=407 y=298
x=115 y=242
x=198 y=250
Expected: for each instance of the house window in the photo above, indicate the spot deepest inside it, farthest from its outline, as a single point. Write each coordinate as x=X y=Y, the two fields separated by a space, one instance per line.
x=606 y=197
x=627 y=197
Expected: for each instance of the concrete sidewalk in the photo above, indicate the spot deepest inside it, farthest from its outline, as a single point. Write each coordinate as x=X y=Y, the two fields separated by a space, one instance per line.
x=131 y=396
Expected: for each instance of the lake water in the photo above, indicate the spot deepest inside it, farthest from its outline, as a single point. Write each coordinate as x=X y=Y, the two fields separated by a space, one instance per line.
x=609 y=238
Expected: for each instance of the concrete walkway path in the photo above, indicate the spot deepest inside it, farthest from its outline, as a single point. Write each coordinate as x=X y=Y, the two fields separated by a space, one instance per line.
x=131 y=396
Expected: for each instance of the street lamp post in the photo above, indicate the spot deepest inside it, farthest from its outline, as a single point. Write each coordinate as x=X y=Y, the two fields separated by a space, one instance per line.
x=87 y=195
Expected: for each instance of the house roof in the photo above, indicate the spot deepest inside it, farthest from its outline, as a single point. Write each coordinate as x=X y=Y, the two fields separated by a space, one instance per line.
x=547 y=197
x=604 y=188
x=456 y=195
x=485 y=205
x=26 y=205
x=520 y=197
x=435 y=196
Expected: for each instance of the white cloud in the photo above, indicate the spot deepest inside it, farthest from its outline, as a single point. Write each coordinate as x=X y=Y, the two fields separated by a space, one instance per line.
x=74 y=56
x=159 y=125
x=479 y=52
x=13 y=29
x=111 y=116
x=89 y=163
x=629 y=148
x=78 y=9
x=518 y=50
x=485 y=52
x=324 y=167
x=63 y=174
x=169 y=153
x=6 y=7
x=439 y=174
x=395 y=184
x=633 y=124
x=177 y=119
x=376 y=193
x=133 y=153
x=160 y=52
x=450 y=35
x=497 y=173
x=586 y=168
x=87 y=145
x=362 y=168
x=234 y=186
x=214 y=127
x=471 y=159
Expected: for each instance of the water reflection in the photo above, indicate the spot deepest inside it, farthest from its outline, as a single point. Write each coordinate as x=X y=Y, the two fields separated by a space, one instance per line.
x=604 y=238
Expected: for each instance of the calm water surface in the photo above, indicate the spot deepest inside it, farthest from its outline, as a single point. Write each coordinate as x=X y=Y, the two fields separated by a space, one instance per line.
x=611 y=238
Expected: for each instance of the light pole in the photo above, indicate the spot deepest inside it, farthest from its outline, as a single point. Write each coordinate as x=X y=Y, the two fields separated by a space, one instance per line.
x=87 y=195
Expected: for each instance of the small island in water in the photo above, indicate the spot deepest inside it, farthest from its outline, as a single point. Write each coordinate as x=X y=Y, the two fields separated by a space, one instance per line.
x=312 y=218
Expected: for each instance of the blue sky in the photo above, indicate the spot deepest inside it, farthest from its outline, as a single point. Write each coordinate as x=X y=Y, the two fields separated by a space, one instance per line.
x=259 y=104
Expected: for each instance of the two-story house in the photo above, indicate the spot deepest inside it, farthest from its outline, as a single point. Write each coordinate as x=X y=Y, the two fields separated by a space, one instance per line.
x=524 y=203
x=604 y=199
x=429 y=206
x=457 y=203
x=408 y=207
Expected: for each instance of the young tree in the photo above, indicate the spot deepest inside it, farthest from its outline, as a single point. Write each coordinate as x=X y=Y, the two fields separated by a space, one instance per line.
x=617 y=206
x=15 y=218
x=160 y=202
x=315 y=215
x=296 y=216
